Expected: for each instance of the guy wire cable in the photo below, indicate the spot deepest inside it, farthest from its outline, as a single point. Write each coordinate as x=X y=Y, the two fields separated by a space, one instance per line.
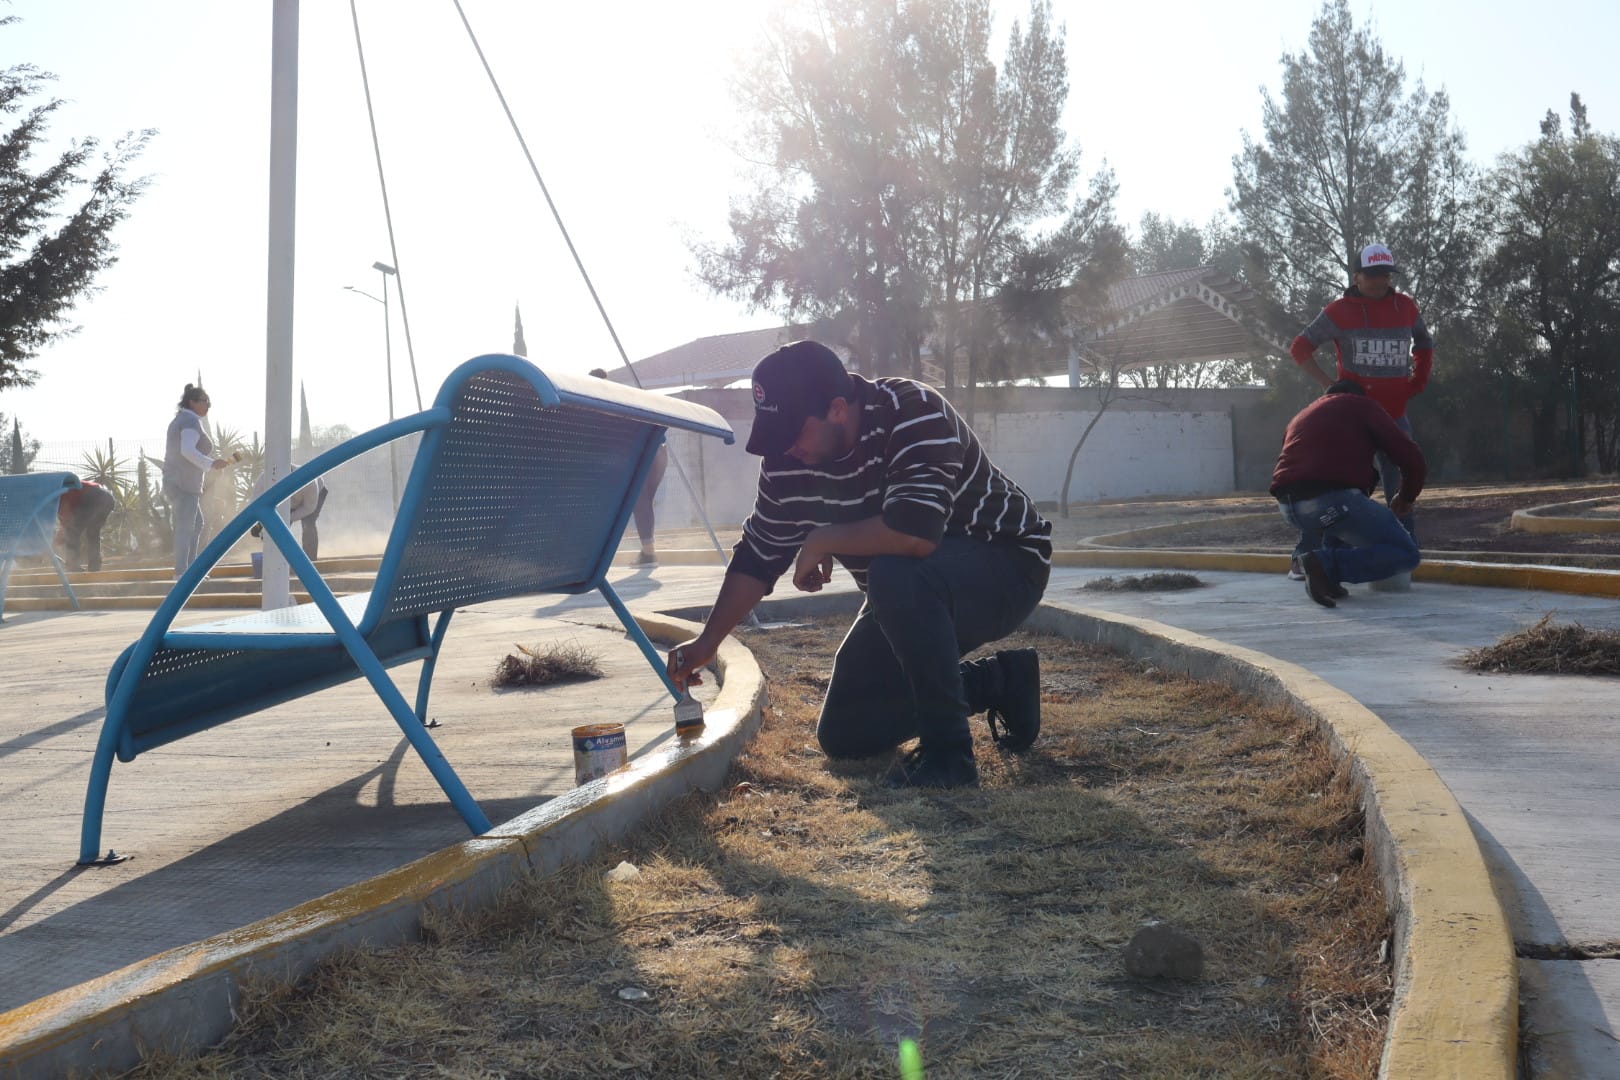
x=393 y=248
x=624 y=357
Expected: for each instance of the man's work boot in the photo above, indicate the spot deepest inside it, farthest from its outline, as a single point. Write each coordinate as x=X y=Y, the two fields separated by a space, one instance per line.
x=1318 y=585
x=1015 y=711
x=943 y=767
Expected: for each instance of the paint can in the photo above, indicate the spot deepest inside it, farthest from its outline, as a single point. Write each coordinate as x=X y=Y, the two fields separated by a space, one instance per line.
x=598 y=750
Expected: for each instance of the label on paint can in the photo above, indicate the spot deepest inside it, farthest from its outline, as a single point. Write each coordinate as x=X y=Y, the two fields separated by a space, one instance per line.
x=598 y=750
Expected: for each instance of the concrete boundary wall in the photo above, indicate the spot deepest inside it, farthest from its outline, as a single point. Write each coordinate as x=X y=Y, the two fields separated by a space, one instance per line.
x=1183 y=447
x=184 y=999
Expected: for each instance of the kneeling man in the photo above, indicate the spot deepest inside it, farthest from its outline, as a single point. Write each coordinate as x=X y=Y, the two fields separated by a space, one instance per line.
x=1321 y=484
x=885 y=477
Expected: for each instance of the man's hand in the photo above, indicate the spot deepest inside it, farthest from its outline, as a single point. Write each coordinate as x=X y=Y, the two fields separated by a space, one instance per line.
x=1400 y=507
x=811 y=572
x=686 y=662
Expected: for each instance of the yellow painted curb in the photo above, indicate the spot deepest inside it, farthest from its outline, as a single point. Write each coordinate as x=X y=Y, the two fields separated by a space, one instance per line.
x=1146 y=531
x=1547 y=519
x=1456 y=976
x=183 y=999
x=1560 y=579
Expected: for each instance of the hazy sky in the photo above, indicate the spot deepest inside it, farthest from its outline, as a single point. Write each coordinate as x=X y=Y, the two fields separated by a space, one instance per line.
x=625 y=107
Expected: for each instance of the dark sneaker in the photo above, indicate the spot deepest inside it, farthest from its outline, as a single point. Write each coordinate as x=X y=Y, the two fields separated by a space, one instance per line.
x=948 y=768
x=1015 y=714
x=1318 y=585
x=1296 y=572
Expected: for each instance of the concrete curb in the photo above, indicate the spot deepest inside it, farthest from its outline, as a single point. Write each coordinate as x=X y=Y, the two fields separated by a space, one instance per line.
x=1456 y=976
x=184 y=999
x=1564 y=579
x=1547 y=519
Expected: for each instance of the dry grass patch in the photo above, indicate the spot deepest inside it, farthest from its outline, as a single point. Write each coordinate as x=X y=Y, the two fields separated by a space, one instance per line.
x=804 y=920
x=1549 y=648
x=1159 y=581
x=563 y=661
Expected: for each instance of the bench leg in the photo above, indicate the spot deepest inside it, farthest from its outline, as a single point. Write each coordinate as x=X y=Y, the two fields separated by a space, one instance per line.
x=61 y=572
x=425 y=683
x=95 y=797
x=633 y=628
x=377 y=676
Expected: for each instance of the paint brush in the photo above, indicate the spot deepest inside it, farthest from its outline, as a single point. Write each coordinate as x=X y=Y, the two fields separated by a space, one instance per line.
x=688 y=709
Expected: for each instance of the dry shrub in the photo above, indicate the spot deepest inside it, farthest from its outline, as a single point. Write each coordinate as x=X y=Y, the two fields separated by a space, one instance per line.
x=1551 y=649
x=562 y=661
x=1164 y=581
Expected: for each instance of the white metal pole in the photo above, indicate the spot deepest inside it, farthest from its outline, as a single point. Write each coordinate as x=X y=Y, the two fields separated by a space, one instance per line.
x=278 y=381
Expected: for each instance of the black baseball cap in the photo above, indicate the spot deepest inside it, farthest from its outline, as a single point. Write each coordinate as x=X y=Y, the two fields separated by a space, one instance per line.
x=793 y=383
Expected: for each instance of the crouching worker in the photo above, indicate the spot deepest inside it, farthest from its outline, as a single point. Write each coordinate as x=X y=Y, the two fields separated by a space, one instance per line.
x=81 y=513
x=887 y=479
x=1322 y=481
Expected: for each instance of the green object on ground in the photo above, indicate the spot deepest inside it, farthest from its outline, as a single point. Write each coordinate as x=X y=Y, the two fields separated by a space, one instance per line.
x=910 y=1060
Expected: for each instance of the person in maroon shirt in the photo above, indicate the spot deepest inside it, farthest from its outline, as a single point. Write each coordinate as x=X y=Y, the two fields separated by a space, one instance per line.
x=1382 y=344
x=1322 y=483
x=81 y=513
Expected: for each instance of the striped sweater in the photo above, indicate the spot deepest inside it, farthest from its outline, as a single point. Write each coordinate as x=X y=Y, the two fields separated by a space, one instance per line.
x=915 y=462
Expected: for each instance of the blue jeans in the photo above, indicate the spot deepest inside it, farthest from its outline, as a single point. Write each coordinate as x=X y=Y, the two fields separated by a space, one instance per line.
x=898 y=674
x=188 y=527
x=1371 y=544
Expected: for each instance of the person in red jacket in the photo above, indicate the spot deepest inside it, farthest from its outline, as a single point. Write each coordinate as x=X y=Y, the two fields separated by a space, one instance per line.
x=1323 y=478
x=81 y=513
x=1382 y=346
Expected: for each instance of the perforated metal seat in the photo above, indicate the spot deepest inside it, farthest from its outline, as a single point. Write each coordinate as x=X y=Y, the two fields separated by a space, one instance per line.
x=523 y=484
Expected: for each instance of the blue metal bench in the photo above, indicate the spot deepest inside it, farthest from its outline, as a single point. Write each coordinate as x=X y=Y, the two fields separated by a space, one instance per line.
x=522 y=484
x=28 y=522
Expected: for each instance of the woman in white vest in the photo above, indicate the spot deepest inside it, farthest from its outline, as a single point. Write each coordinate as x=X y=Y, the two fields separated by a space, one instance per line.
x=188 y=454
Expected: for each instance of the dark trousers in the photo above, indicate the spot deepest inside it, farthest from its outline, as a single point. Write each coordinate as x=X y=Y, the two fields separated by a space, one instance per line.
x=82 y=533
x=643 y=511
x=312 y=533
x=898 y=674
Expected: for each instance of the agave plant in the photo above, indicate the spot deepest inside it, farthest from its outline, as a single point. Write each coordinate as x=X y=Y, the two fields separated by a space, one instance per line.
x=107 y=469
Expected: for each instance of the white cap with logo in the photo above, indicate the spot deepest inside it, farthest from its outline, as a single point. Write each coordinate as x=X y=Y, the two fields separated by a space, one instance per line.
x=1377 y=257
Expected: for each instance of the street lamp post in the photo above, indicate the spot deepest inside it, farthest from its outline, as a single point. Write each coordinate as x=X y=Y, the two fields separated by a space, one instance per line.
x=388 y=364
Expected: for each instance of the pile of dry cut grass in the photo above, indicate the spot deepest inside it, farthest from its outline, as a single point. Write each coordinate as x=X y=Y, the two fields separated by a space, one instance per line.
x=564 y=661
x=1160 y=581
x=805 y=919
x=1551 y=648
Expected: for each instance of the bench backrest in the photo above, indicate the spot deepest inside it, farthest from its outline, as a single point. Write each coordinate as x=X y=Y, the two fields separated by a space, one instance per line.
x=28 y=511
x=526 y=489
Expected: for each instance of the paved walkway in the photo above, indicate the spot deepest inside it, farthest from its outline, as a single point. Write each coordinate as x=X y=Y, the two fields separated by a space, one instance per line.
x=1532 y=759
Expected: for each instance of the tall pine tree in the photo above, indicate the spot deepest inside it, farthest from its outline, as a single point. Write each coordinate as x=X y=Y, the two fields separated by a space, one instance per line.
x=56 y=223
